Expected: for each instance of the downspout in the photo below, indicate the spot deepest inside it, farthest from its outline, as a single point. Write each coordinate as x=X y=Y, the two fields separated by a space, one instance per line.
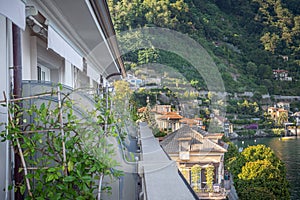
x=8 y=171
x=17 y=93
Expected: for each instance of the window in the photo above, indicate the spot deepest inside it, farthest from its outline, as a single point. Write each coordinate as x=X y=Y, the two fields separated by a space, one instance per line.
x=184 y=146
x=43 y=73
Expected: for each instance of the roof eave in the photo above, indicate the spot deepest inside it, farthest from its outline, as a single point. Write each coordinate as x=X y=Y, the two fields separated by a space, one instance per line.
x=102 y=13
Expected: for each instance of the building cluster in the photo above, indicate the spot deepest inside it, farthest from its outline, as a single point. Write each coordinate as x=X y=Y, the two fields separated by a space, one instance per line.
x=282 y=115
x=189 y=145
x=279 y=109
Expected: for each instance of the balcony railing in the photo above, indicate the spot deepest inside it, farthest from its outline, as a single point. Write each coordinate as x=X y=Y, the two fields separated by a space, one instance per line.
x=184 y=155
x=206 y=194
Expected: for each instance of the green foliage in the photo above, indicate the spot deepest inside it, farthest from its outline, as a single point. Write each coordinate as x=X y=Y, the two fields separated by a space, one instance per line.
x=282 y=118
x=122 y=91
x=68 y=154
x=231 y=155
x=196 y=173
x=246 y=133
x=278 y=131
x=283 y=28
x=245 y=38
x=160 y=134
x=209 y=173
x=257 y=169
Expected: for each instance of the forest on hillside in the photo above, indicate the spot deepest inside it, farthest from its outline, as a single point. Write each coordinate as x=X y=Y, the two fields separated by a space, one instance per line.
x=246 y=38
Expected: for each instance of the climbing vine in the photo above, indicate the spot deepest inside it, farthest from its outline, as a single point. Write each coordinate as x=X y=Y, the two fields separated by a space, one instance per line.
x=210 y=177
x=196 y=173
x=185 y=173
x=65 y=154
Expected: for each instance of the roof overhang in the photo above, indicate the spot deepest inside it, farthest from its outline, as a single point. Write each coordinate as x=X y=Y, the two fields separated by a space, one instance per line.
x=86 y=25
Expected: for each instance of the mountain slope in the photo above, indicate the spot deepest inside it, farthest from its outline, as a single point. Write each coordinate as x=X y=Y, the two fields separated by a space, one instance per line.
x=247 y=39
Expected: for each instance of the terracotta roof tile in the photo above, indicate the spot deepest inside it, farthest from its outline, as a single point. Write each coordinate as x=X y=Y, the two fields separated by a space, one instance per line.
x=142 y=109
x=171 y=142
x=171 y=116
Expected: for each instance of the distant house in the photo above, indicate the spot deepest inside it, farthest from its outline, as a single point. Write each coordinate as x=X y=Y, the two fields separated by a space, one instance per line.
x=134 y=81
x=141 y=111
x=284 y=105
x=224 y=123
x=169 y=120
x=228 y=128
x=192 y=122
x=161 y=109
x=196 y=122
x=275 y=112
x=189 y=147
x=281 y=75
x=296 y=116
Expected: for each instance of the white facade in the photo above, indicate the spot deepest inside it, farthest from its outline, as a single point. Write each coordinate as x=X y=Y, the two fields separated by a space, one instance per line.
x=58 y=45
x=5 y=62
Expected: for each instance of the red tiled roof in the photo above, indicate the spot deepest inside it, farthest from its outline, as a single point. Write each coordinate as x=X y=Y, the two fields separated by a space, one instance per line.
x=142 y=109
x=280 y=71
x=171 y=116
x=188 y=121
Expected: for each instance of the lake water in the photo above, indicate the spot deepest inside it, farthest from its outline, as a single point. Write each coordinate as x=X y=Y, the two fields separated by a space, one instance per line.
x=289 y=152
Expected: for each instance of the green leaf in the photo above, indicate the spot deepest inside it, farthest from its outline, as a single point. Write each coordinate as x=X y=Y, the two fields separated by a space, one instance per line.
x=70 y=166
x=69 y=178
x=22 y=189
x=50 y=178
x=93 y=169
x=86 y=178
x=10 y=187
x=52 y=169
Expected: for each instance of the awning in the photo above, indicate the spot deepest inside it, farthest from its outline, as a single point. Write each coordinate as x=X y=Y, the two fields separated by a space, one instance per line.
x=15 y=11
x=63 y=48
x=92 y=73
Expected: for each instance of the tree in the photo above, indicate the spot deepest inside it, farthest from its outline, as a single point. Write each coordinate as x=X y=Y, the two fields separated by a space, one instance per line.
x=251 y=68
x=283 y=26
x=265 y=72
x=231 y=155
x=282 y=118
x=257 y=169
x=122 y=91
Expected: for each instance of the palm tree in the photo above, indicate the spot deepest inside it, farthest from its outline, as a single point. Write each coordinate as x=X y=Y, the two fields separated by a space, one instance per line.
x=283 y=117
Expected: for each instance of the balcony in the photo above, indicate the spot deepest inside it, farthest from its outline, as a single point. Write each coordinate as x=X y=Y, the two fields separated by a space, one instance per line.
x=219 y=193
x=184 y=155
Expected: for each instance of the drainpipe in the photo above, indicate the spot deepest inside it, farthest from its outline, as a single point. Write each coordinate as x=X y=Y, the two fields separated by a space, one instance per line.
x=8 y=169
x=17 y=93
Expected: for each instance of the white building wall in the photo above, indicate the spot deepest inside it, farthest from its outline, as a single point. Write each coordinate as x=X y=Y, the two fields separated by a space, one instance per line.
x=5 y=63
x=33 y=57
x=26 y=58
x=68 y=74
x=54 y=74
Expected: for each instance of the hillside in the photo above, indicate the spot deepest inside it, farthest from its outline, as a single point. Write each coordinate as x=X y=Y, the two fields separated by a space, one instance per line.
x=246 y=38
